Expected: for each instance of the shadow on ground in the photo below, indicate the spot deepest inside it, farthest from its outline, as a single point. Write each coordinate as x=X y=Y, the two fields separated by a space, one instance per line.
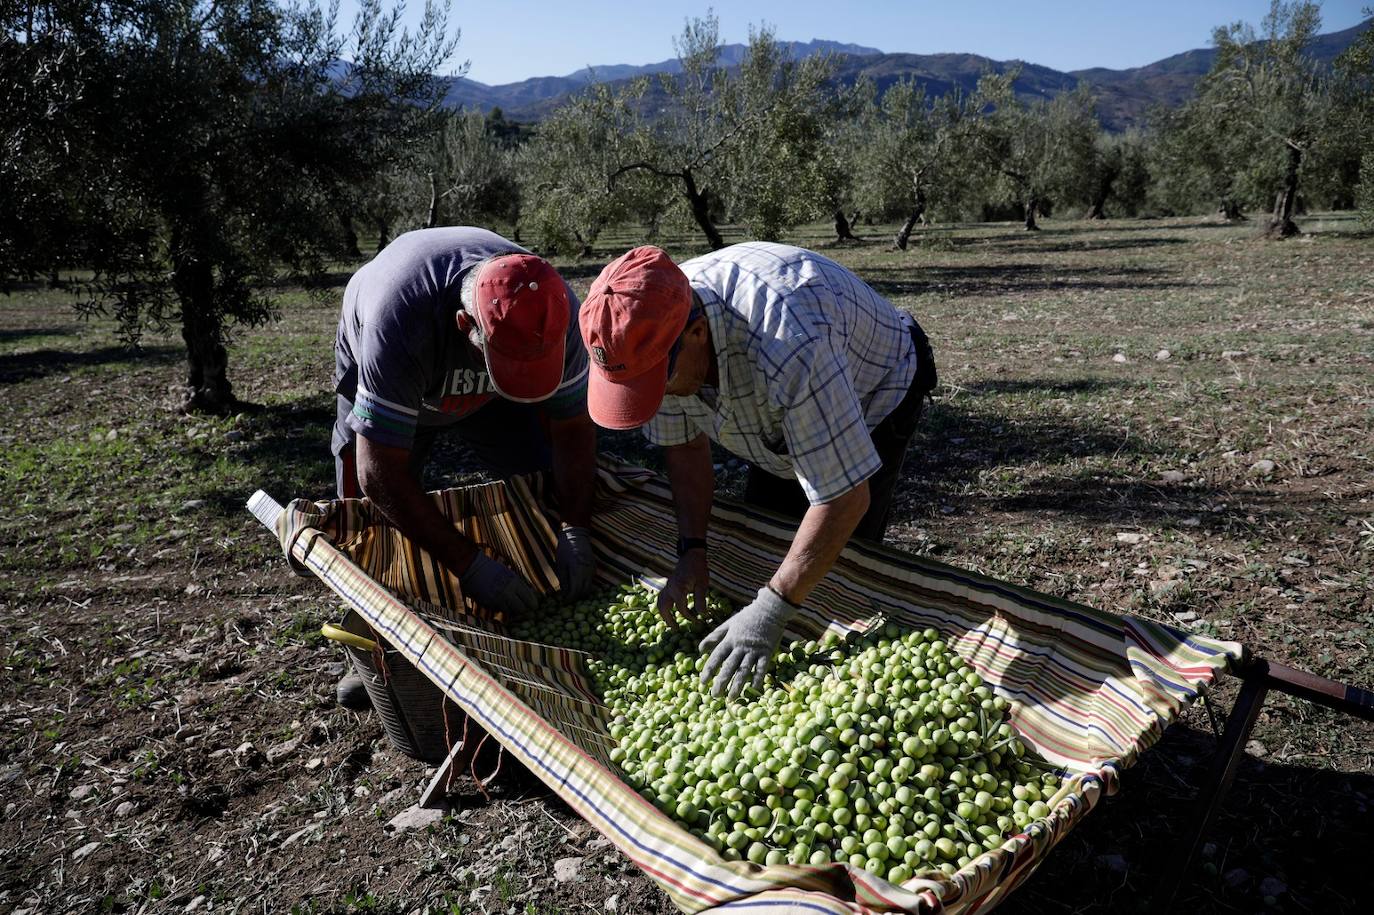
x=44 y=362
x=964 y=439
x=15 y=334
x=969 y=280
x=1041 y=245
x=1308 y=828
x=287 y=447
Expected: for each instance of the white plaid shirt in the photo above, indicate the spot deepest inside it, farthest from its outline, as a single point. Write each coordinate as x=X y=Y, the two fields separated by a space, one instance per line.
x=810 y=359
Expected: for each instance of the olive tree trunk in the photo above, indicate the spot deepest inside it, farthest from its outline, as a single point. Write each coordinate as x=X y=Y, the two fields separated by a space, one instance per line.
x=1281 y=224
x=202 y=328
x=843 y=232
x=701 y=210
x=918 y=212
x=432 y=218
x=350 y=235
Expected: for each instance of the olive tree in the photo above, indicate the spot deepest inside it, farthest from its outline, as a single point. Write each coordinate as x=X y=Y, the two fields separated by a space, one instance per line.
x=1041 y=151
x=1196 y=158
x=1117 y=174
x=469 y=172
x=209 y=145
x=572 y=184
x=747 y=141
x=915 y=153
x=1354 y=99
x=779 y=170
x=1269 y=84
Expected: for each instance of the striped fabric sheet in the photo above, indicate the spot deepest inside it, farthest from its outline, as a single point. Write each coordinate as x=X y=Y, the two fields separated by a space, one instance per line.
x=1089 y=690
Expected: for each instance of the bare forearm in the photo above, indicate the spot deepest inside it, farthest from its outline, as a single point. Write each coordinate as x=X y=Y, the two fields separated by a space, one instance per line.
x=574 y=467
x=401 y=500
x=694 y=481
x=822 y=535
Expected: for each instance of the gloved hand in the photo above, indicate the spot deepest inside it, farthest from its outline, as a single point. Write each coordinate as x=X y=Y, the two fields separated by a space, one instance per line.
x=576 y=562
x=743 y=646
x=497 y=588
x=691 y=577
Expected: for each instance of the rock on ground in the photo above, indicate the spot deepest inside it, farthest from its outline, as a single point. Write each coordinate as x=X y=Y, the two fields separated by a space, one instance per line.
x=567 y=869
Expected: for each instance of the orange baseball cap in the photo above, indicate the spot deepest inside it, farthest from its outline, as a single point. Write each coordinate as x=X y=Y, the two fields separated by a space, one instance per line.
x=522 y=310
x=634 y=313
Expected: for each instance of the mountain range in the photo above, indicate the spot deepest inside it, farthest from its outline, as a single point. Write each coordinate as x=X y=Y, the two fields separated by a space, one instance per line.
x=1123 y=96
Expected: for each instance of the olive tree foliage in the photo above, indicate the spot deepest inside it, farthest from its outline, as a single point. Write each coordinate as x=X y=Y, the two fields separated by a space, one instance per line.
x=469 y=172
x=1118 y=176
x=1354 y=102
x=1041 y=152
x=205 y=147
x=572 y=183
x=457 y=171
x=745 y=143
x=779 y=170
x=1272 y=90
x=1196 y=160
x=43 y=67
x=914 y=155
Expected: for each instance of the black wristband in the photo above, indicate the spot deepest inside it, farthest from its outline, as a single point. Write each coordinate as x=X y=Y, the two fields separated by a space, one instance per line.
x=685 y=544
x=779 y=596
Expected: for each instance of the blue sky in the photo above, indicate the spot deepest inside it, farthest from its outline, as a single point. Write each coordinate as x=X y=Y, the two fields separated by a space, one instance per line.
x=510 y=40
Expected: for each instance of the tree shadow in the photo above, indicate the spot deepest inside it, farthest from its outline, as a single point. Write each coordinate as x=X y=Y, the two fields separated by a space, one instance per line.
x=1307 y=828
x=1044 y=386
x=960 y=441
x=23 y=333
x=973 y=280
x=41 y=363
x=287 y=445
x=1126 y=502
x=1088 y=243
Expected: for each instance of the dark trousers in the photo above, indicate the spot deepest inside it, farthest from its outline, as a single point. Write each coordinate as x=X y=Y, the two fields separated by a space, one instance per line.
x=891 y=437
x=507 y=438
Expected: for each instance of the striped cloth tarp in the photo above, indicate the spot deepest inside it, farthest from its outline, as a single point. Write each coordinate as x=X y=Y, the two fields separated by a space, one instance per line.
x=1089 y=690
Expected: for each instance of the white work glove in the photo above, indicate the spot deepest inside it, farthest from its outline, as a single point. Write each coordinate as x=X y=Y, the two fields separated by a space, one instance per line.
x=576 y=562
x=743 y=646
x=498 y=589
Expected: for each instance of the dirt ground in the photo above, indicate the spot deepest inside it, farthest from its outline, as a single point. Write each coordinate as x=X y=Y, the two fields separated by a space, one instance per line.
x=1166 y=418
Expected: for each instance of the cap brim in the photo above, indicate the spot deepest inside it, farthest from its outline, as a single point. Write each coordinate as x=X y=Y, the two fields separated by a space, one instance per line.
x=626 y=404
x=525 y=380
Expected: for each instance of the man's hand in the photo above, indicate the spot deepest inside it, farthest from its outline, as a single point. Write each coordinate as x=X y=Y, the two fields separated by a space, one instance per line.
x=576 y=562
x=743 y=646
x=692 y=576
x=498 y=589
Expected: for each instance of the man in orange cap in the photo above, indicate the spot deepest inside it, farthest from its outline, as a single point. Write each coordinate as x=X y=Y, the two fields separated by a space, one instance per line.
x=457 y=328
x=784 y=358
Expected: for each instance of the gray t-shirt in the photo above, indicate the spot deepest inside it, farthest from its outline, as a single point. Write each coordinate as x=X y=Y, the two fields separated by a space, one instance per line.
x=400 y=360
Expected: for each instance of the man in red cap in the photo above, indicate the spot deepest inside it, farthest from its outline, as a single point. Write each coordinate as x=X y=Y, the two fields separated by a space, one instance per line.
x=457 y=328
x=784 y=358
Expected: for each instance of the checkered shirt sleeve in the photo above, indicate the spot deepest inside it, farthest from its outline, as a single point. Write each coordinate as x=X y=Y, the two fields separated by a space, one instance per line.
x=671 y=425
x=823 y=424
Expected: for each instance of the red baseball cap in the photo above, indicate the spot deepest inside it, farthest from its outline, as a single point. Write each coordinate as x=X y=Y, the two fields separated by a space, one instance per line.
x=522 y=310
x=634 y=313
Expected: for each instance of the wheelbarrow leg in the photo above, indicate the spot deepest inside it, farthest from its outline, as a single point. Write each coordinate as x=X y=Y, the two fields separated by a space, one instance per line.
x=1239 y=724
x=459 y=757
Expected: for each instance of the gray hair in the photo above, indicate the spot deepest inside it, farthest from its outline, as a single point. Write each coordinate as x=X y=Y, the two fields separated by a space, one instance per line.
x=468 y=290
x=467 y=301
